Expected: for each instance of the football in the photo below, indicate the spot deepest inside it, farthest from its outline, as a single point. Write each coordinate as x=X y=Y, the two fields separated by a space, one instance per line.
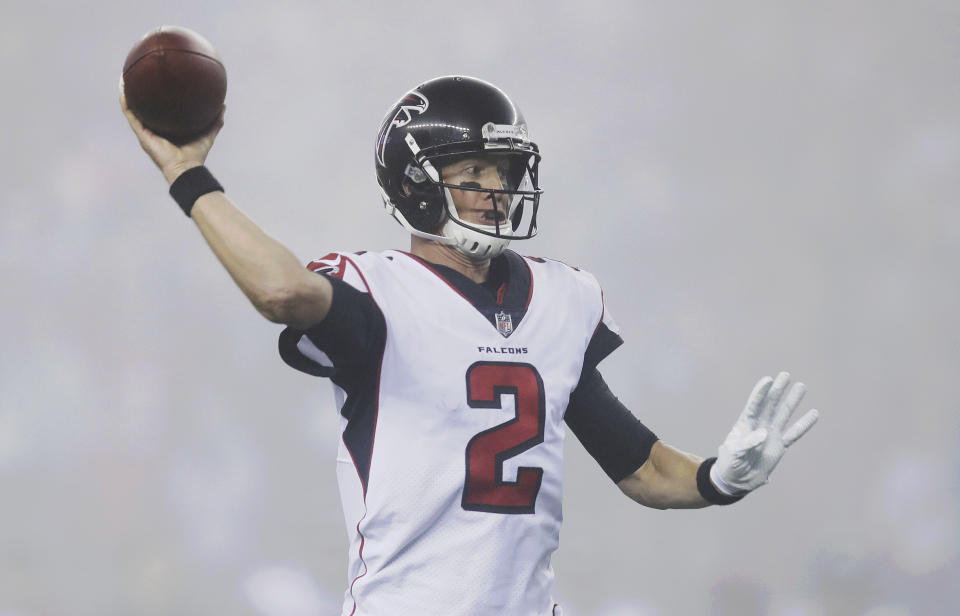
x=174 y=83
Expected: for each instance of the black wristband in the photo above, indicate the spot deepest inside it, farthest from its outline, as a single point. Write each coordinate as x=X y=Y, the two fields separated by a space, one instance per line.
x=708 y=491
x=191 y=185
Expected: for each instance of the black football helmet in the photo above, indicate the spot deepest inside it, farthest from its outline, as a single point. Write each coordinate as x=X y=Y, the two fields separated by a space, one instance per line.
x=459 y=119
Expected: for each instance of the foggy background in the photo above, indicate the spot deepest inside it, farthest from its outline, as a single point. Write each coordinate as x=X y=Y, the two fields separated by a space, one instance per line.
x=758 y=186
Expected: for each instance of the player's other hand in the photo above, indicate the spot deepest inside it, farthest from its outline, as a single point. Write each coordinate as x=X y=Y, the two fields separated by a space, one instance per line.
x=170 y=158
x=759 y=438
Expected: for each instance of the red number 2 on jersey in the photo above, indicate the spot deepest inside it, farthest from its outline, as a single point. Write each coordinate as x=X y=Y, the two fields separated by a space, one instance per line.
x=484 y=488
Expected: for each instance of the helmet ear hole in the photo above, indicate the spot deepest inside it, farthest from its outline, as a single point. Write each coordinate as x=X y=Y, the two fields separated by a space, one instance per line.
x=422 y=205
x=407 y=186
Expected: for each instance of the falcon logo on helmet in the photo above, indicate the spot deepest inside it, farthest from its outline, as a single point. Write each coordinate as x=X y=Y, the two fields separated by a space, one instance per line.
x=412 y=104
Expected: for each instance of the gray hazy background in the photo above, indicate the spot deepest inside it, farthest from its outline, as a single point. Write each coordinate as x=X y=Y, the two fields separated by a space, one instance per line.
x=758 y=186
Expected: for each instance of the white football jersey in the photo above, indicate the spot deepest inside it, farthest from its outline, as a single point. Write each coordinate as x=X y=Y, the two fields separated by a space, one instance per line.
x=451 y=462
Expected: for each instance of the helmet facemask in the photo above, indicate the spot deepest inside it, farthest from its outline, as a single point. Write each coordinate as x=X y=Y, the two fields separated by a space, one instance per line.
x=487 y=198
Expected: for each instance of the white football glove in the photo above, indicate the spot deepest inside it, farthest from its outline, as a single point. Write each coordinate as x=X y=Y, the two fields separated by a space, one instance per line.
x=758 y=440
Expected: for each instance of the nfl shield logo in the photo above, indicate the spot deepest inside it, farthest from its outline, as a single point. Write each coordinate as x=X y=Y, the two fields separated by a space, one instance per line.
x=504 y=323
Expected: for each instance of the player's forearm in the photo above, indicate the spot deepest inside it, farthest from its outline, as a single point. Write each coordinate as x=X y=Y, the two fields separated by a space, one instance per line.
x=265 y=270
x=667 y=480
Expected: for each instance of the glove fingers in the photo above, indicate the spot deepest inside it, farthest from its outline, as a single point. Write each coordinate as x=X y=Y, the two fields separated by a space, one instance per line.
x=800 y=428
x=754 y=402
x=773 y=398
x=789 y=405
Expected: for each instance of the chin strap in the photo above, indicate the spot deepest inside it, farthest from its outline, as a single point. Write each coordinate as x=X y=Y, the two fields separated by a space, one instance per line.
x=475 y=246
x=472 y=244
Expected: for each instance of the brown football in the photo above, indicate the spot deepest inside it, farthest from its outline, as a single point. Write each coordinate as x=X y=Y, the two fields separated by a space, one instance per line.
x=175 y=83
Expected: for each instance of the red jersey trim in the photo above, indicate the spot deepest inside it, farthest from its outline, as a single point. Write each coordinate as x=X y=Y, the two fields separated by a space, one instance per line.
x=365 y=569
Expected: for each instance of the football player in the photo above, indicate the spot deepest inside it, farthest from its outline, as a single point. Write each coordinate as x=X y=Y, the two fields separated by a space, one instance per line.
x=456 y=365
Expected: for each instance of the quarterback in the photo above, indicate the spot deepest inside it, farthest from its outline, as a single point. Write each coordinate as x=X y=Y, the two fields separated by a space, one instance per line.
x=458 y=365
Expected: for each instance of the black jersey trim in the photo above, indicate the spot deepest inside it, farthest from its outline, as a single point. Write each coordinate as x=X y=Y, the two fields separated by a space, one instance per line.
x=290 y=353
x=604 y=342
x=354 y=336
x=362 y=406
x=526 y=304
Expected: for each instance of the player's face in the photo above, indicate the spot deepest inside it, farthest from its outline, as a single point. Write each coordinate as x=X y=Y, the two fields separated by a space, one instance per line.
x=478 y=172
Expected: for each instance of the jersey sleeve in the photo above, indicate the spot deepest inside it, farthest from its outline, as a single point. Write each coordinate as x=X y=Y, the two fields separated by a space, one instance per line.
x=347 y=345
x=606 y=336
x=609 y=432
x=616 y=439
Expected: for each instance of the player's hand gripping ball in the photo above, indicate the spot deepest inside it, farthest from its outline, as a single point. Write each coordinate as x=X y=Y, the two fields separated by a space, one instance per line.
x=175 y=83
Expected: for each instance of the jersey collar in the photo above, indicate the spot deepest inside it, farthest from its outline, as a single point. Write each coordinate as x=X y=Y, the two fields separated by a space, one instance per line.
x=507 y=290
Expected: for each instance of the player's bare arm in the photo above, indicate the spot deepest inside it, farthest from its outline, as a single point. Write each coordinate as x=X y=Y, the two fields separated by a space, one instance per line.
x=265 y=270
x=667 y=480
x=672 y=479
